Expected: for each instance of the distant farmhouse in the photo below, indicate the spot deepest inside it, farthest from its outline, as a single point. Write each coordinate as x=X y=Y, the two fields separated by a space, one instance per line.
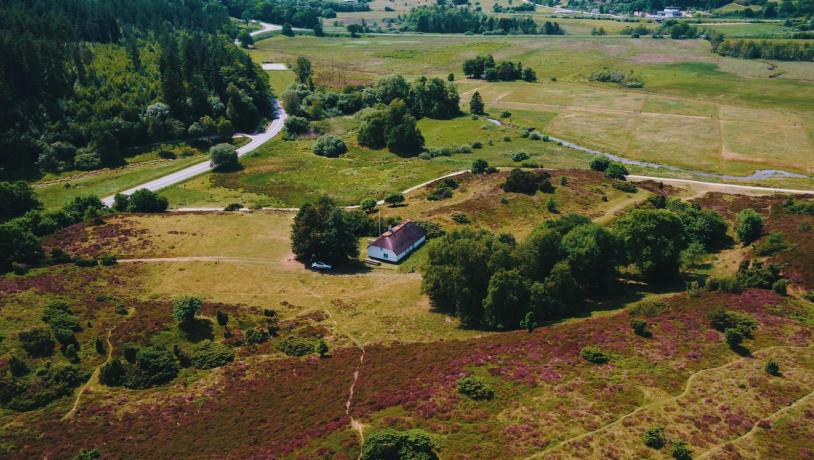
x=397 y=242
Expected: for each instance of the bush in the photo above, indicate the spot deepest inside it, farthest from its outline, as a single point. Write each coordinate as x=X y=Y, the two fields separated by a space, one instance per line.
x=88 y=454
x=185 y=308
x=394 y=199
x=505 y=114
x=475 y=388
x=108 y=260
x=654 y=437
x=47 y=384
x=329 y=146
x=748 y=226
x=722 y=320
x=616 y=171
x=772 y=367
x=460 y=218
x=648 y=308
x=599 y=164
x=593 y=354
x=527 y=182
x=368 y=205
x=623 y=186
x=121 y=202
x=530 y=164
x=210 y=355
x=145 y=200
x=781 y=286
x=223 y=157
x=37 y=342
x=154 y=366
x=520 y=156
x=256 y=336
x=733 y=337
x=232 y=207
x=294 y=346
x=388 y=444
x=680 y=451
x=639 y=327
x=773 y=244
x=85 y=262
x=112 y=373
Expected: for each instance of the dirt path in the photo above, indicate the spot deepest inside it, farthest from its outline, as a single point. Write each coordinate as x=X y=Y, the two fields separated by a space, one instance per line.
x=93 y=380
x=749 y=433
x=687 y=389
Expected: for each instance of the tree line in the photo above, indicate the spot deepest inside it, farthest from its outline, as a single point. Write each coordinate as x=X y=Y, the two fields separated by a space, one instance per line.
x=297 y=13
x=83 y=80
x=492 y=281
x=451 y=19
x=783 y=50
x=484 y=67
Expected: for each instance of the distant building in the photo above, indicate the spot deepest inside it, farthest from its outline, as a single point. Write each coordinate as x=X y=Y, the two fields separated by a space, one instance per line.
x=394 y=244
x=669 y=13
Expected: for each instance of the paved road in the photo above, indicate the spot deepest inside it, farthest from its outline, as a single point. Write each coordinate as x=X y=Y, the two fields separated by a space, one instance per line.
x=255 y=140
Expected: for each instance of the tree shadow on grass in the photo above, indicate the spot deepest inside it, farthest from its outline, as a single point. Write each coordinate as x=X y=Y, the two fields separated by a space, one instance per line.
x=197 y=330
x=741 y=351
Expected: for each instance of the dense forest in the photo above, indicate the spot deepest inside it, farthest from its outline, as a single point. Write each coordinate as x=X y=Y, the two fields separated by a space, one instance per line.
x=298 y=13
x=82 y=80
x=443 y=19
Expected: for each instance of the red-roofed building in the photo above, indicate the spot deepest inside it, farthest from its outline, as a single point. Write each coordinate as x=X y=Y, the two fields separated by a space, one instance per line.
x=397 y=242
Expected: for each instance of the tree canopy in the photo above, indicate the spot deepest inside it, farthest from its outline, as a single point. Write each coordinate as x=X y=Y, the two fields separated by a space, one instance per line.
x=323 y=232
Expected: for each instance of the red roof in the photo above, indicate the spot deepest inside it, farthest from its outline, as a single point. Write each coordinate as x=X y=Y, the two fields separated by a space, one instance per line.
x=400 y=237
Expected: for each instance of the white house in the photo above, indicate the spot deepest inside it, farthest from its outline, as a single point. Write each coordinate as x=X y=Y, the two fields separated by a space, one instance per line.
x=394 y=244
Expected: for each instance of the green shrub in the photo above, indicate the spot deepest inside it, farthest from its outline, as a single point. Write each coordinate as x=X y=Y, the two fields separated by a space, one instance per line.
x=639 y=327
x=773 y=244
x=733 y=336
x=18 y=366
x=475 y=388
x=809 y=295
x=47 y=384
x=654 y=437
x=144 y=200
x=232 y=207
x=599 y=164
x=223 y=157
x=520 y=156
x=37 y=342
x=329 y=146
x=781 y=286
x=530 y=164
x=460 y=218
x=748 y=226
x=185 y=308
x=648 y=308
x=154 y=366
x=88 y=454
x=108 y=260
x=623 y=186
x=393 y=444
x=112 y=373
x=85 y=262
x=295 y=346
x=772 y=367
x=722 y=319
x=616 y=171
x=211 y=354
x=680 y=451
x=256 y=336
x=593 y=354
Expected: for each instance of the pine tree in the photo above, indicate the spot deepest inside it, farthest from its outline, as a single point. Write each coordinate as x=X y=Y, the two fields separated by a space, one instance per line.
x=476 y=104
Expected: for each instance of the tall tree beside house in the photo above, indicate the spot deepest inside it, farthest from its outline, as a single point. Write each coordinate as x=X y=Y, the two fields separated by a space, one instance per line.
x=323 y=232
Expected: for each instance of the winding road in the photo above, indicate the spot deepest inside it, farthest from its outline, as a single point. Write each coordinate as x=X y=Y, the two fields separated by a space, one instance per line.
x=274 y=128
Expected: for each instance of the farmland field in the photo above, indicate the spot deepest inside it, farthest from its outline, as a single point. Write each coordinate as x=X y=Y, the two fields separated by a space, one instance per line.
x=697 y=111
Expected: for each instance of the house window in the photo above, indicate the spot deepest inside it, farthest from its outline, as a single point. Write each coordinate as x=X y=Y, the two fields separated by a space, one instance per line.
x=385 y=255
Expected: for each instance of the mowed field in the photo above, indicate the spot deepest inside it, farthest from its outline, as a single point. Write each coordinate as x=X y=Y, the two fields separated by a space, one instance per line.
x=697 y=110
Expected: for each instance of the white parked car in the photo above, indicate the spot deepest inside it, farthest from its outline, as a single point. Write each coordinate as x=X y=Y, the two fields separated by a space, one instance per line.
x=321 y=266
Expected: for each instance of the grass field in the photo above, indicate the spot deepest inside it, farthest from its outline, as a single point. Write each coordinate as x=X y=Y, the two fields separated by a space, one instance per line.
x=702 y=106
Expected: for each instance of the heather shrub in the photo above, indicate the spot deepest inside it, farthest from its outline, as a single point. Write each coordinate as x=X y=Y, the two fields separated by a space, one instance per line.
x=733 y=337
x=88 y=454
x=593 y=354
x=771 y=245
x=623 y=186
x=781 y=286
x=475 y=388
x=654 y=437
